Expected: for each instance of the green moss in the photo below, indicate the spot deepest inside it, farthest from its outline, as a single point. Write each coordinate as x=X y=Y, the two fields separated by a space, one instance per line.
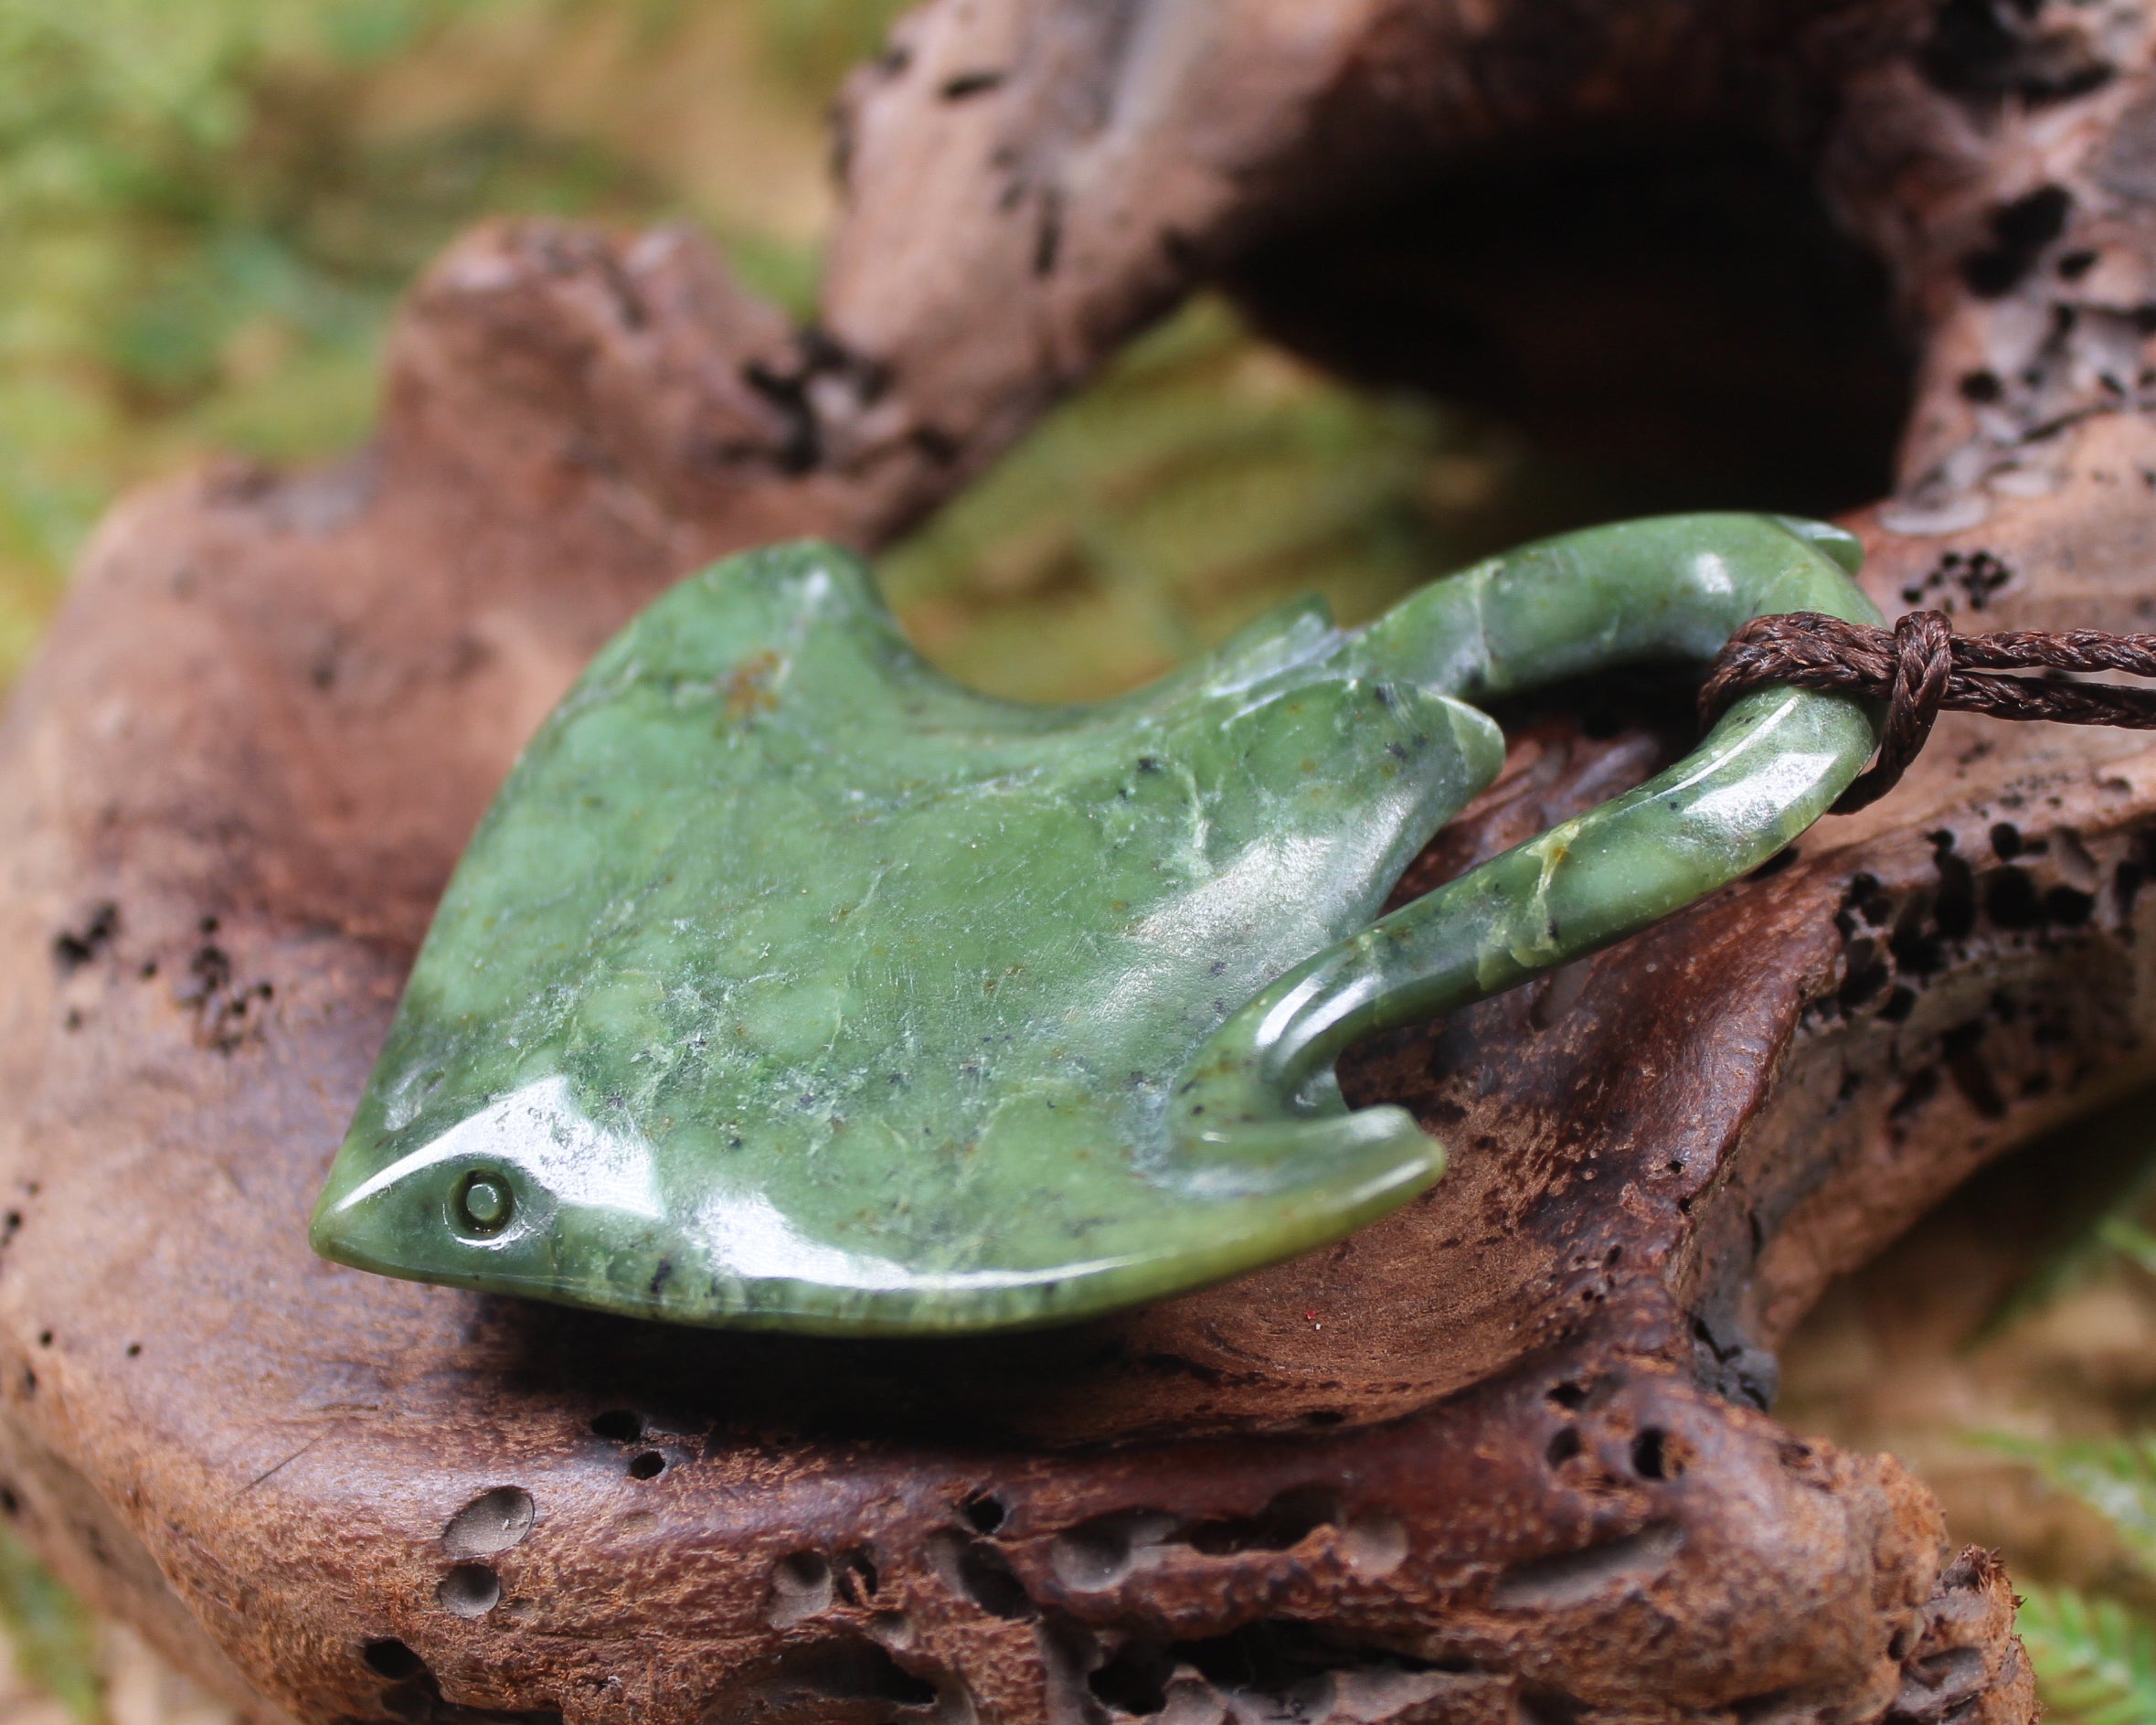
x=54 y=1646
x=207 y=234
x=1205 y=478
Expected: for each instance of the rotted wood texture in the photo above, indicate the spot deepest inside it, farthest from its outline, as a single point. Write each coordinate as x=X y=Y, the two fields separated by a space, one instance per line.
x=1502 y=1457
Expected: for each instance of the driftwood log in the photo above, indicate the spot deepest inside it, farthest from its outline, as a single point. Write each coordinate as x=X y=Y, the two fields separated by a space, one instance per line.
x=1503 y=1457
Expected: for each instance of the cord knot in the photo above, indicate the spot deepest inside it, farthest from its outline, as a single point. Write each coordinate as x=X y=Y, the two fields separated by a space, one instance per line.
x=1920 y=669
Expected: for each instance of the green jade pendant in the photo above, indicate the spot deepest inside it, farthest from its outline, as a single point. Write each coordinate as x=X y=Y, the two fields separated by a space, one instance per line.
x=789 y=983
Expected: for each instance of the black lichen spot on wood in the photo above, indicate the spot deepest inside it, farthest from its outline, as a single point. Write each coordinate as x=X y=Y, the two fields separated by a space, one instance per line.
x=1048 y=239
x=1962 y=1052
x=2068 y=907
x=74 y=948
x=1975 y=576
x=1917 y=953
x=1920 y=1089
x=2020 y=232
x=2011 y=900
x=965 y=84
x=1868 y=973
x=1954 y=913
x=1984 y=50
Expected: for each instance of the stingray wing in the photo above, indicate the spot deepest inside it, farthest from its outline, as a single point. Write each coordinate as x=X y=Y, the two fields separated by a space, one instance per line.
x=787 y=982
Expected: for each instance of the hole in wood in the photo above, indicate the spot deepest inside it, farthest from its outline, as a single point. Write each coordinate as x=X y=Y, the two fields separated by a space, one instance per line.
x=489 y=1523
x=391 y=1658
x=470 y=1590
x=618 y=1425
x=800 y=1587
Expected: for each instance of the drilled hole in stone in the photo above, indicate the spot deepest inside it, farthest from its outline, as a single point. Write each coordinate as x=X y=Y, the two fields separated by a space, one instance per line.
x=391 y=1658
x=485 y=1203
x=648 y=1465
x=618 y=1425
x=1563 y=1447
x=489 y=1523
x=985 y=1512
x=470 y=1590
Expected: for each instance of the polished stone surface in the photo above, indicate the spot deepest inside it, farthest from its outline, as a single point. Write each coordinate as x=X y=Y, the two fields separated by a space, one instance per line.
x=789 y=983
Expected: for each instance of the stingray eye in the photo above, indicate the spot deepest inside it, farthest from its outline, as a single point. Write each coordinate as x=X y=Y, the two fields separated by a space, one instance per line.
x=484 y=1203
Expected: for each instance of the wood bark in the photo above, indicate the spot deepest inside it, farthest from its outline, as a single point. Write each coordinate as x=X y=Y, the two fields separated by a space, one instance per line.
x=1505 y=1456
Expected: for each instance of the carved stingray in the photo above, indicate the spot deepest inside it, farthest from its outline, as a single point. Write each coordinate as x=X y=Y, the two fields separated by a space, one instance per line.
x=788 y=982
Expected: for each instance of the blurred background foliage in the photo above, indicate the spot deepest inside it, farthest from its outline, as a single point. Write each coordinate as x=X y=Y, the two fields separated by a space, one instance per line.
x=2005 y=1350
x=211 y=206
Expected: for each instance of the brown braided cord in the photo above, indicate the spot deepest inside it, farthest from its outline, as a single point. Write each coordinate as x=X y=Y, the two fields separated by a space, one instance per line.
x=1920 y=667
